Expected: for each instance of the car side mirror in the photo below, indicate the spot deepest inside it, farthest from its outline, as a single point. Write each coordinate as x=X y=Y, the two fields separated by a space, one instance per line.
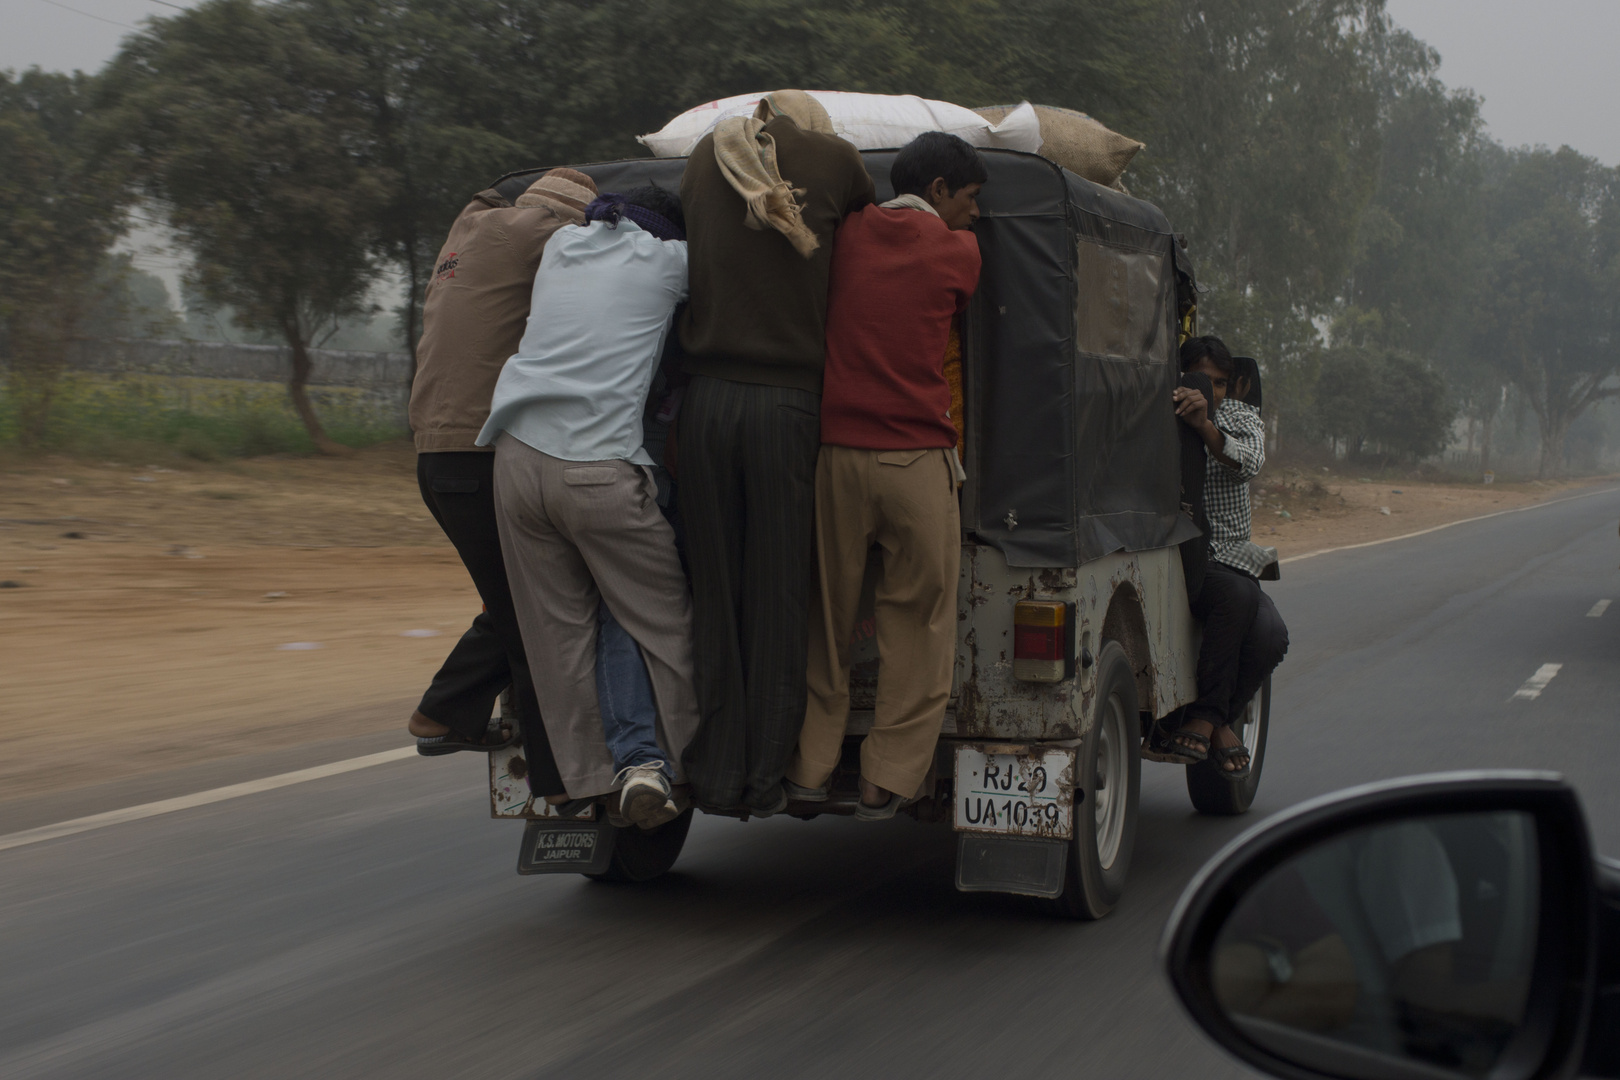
x=1429 y=928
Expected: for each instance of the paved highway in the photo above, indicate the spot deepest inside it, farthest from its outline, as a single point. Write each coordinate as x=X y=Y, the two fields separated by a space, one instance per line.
x=370 y=923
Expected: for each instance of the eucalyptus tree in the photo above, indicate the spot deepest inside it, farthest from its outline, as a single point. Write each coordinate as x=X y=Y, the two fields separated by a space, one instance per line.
x=250 y=134
x=1547 y=314
x=62 y=205
x=1418 y=243
x=1266 y=157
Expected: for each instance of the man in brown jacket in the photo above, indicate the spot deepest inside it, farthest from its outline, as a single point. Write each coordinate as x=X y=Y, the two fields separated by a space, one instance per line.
x=473 y=317
x=763 y=196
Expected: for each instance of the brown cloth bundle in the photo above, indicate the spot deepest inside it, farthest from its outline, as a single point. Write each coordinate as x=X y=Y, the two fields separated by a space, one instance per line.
x=1077 y=142
x=747 y=159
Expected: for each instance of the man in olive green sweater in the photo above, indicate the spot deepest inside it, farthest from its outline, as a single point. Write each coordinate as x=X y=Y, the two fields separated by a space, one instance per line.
x=760 y=228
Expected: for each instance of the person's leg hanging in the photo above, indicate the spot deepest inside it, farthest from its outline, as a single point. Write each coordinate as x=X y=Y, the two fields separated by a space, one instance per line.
x=920 y=533
x=709 y=490
x=781 y=441
x=843 y=535
x=624 y=695
x=1226 y=605
x=459 y=491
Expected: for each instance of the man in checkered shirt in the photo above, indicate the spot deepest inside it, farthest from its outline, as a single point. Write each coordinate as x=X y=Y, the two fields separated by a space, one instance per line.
x=1244 y=637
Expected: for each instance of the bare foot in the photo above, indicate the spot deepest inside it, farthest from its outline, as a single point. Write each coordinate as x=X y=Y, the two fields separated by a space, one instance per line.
x=425 y=728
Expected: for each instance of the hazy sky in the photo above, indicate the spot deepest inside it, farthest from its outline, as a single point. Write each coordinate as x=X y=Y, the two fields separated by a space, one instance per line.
x=1547 y=69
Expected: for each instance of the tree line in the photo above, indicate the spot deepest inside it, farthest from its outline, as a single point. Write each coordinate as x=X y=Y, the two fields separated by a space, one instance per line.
x=1353 y=226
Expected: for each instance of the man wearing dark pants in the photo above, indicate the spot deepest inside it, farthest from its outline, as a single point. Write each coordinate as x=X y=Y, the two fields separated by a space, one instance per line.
x=1243 y=635
x=763 y=196
x=473 y=317
x=1247 y=640
x=459 y=492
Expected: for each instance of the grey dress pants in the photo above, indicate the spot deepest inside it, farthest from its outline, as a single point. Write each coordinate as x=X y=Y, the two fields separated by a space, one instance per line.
x=575 y=535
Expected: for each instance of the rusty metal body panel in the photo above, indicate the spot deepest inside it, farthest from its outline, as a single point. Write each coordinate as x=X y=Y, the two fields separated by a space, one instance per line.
x=1138 y=599
x=509 y=794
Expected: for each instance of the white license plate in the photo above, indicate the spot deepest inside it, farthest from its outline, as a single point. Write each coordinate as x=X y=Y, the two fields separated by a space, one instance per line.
x=1029 y=792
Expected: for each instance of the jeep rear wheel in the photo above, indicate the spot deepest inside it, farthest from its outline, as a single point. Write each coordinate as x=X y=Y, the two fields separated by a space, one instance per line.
x=1108 y=784
x=643 y=854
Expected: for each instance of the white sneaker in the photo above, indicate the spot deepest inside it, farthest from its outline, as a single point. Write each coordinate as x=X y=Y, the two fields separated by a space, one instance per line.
x=646 y=798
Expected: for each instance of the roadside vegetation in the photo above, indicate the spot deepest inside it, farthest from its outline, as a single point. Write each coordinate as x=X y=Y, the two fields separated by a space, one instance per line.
x=136 y=418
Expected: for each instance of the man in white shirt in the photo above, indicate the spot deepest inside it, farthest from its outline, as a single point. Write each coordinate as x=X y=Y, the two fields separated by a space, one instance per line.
x=576 y=500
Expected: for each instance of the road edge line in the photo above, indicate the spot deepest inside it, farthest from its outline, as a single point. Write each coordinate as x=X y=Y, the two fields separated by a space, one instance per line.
x=1447 y=525
x=199 y=798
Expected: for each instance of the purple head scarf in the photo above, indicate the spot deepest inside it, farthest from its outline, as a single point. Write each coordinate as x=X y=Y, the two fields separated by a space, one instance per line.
x=611 y=206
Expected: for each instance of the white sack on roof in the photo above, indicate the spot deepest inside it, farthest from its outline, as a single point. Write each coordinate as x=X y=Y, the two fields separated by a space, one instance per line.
x=870 y=121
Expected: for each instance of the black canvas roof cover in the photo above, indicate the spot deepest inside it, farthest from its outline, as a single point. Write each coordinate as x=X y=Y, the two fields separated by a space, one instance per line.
x=1069 y=352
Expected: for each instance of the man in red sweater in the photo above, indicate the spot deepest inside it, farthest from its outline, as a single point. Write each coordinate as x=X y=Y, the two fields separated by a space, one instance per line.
x=888 y=471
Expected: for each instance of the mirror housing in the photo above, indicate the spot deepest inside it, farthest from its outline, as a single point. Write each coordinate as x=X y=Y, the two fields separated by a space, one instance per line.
x=1552 y=1040
x=1603 y=1044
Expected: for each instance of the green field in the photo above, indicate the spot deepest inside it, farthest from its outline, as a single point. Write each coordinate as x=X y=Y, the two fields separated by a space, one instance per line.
x=119 y=416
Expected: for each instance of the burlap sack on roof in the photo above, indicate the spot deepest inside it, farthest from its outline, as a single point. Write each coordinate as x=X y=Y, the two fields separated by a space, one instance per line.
x=1077 y=142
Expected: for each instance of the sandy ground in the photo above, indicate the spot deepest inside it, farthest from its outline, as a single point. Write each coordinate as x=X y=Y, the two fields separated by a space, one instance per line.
x=153 y=609
x=1300 y=510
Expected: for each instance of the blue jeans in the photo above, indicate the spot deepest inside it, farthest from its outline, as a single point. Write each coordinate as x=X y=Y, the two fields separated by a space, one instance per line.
x=624 y=695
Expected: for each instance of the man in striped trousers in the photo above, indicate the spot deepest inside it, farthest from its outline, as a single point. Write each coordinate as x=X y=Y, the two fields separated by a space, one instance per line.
x=763 y=196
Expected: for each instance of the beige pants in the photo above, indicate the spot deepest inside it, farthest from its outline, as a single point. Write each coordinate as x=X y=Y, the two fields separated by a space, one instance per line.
x=905 y=502
x=574 y=533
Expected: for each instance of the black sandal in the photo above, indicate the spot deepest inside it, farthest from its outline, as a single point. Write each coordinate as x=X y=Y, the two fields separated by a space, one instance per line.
x=439 y=745
x=1223 y=754
x=1190 y=755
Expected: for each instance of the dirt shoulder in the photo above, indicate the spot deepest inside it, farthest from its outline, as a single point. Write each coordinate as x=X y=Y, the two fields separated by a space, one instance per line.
x=168 y=617
x=1299 y=511
x=153 y=610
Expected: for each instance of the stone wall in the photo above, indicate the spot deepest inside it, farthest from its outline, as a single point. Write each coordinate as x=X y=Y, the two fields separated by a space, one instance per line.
x=260 y=363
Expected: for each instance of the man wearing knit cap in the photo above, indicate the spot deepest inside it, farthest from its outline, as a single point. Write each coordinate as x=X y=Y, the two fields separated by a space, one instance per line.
x=473 y=317
x=763 y=196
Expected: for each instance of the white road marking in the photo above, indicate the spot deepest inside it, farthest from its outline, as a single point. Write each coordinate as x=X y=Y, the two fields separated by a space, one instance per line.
x=1598 y=609
x=1532 y=688
x=1447 y=525
x=200 y=798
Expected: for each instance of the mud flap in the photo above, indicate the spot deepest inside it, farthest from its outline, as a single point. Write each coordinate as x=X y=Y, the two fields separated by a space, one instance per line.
x=559 y=846
x=1010 y=865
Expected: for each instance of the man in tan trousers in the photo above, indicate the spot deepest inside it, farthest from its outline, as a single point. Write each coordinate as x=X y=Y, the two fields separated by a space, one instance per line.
x=888 y=471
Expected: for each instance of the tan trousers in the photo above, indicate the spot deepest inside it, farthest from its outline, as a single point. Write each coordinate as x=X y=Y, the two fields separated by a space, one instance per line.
x=905 y=502
x=575 y=533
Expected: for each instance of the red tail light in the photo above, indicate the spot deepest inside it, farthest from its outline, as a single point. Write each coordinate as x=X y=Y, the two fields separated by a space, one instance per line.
x=1040 y=640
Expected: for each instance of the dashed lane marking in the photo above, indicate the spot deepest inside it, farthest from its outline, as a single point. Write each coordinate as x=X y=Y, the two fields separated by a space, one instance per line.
x=1598 y=609
x=1532 y=688
x=200 y=798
